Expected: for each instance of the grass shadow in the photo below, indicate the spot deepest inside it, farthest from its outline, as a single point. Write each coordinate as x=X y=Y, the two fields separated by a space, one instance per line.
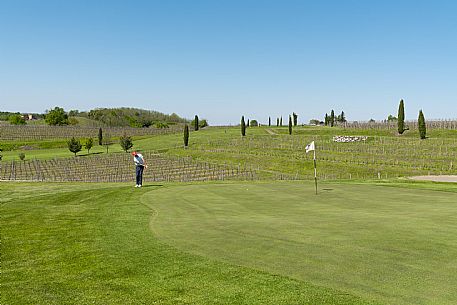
x=94 y=153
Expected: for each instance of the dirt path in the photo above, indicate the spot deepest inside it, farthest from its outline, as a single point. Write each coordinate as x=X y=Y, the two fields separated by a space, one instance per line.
x=270 y=131
x=443 y=178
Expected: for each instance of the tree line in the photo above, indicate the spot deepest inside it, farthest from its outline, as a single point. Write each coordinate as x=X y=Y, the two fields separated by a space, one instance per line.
x=75 y=145
x=110 y=117
x=331 y=120
x=293 y=121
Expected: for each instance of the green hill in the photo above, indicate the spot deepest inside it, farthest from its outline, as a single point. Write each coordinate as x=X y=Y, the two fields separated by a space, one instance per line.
x=132 y=117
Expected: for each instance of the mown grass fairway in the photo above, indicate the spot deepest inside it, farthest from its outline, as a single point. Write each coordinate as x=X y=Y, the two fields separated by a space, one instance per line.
x=92 y=244
x=228 y=243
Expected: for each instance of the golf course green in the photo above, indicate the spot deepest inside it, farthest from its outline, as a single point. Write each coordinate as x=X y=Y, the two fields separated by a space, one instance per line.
x=229 y=243
x=394 y=245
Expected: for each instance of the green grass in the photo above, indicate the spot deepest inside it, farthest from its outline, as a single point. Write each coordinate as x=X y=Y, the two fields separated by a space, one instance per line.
x=389 y=244
x=74 y=243
x=56 y=152
x=228 y=243
x=388 y=155
x=384 y=154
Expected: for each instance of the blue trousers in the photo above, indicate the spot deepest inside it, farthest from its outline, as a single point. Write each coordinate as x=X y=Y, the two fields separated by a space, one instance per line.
x=139 y=174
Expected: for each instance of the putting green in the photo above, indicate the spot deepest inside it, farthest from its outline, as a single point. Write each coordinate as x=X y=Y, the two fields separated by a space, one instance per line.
x=391 y=244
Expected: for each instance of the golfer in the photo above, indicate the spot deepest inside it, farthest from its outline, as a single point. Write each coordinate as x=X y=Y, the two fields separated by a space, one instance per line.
x=140 y=165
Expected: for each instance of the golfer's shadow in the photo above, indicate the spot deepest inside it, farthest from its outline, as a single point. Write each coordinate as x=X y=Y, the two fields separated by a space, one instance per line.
x=152 y=185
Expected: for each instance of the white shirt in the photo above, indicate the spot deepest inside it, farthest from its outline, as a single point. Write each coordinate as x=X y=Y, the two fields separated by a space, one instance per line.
x=138 y=159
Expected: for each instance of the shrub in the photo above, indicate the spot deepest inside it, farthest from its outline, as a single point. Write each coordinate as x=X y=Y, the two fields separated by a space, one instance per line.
x=89 y=144
x=22 y=156
x=74 y=145
x=73 y=113
x=161 y=125
x=126 y=142
x=73 y=121
x=201 y=123
x=391 y=118
x=16 y=119
x=56 y=116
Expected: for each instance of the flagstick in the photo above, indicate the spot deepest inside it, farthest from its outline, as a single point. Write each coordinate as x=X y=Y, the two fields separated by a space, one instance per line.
x=315 y=170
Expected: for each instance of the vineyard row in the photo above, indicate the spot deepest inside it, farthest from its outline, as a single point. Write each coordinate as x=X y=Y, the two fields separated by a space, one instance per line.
x=13 y=132
x=120 y=168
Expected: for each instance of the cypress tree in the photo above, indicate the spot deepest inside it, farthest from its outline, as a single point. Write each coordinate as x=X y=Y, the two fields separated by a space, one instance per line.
x=332 y=118
x=100 y=136
x=326 y=120
x=186 y=135
x=277 y=122
x=401 y=117
x=280 y=122
x=342 y=117
x=195 y=123
x=247 y=125
x=290 y=125
x=422 y=127
x=295 y=118
x=269 y=121
x=243 y=127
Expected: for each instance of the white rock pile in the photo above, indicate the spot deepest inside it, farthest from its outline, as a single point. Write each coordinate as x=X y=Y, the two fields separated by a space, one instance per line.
x=349 y=139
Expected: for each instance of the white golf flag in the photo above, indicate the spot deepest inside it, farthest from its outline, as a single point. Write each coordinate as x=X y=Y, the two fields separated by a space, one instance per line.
x=309 y=147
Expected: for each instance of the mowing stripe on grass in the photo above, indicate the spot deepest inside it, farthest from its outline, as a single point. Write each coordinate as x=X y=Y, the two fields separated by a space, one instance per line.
x=395 y=245
x=91 y=244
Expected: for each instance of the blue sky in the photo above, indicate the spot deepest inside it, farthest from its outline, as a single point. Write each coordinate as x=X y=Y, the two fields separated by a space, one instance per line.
x=224 y=59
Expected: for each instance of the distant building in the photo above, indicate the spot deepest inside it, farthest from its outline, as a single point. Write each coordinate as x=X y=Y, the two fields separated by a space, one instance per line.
x=28 y=117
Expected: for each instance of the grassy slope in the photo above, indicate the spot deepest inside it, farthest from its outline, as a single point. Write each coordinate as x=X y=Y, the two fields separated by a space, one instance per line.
x=91 y=244
x=384 y=153
x=282 y=153
x=395 y=245
x=58 y=150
